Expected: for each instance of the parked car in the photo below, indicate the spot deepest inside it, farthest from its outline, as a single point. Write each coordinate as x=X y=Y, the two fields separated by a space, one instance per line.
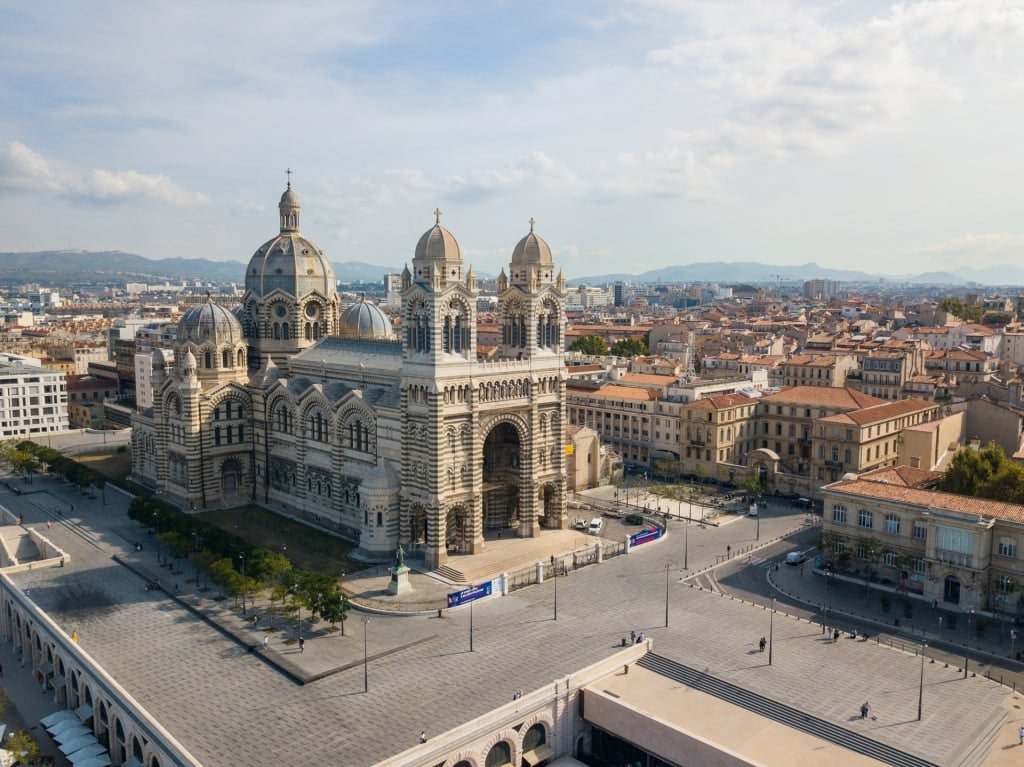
x=595 y=526
x=634 y=519
x=803 y=503
x=581 y=524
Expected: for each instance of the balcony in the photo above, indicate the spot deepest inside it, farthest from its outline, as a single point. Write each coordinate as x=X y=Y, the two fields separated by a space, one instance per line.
x=804 y=440
x=833 y=464
x=697 y=442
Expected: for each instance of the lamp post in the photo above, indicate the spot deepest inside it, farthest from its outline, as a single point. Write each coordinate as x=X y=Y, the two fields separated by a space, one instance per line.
x=686 y=546
x=366 y=674
x=771 y=631
x=967 y=651
x=668 y=566
x=1013 y=640
x=920 y=688
x=471 y=627
x=757 y=536
x=242 y=557
x=554 y=577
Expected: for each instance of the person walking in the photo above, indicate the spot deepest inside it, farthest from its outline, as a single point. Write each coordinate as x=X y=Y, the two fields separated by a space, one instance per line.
x=423 y=736
x=632 y=637
x=302 y=645
x=1020 y=734
x=266 y=641
x=865 y=708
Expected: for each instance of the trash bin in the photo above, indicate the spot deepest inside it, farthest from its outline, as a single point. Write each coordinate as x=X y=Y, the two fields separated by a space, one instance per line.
x=817 y=563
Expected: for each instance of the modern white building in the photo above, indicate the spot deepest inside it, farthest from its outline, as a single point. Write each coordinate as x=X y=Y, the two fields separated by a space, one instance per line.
x=33 y=399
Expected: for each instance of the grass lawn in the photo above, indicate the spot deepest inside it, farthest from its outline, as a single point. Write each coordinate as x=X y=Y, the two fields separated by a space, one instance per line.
x=307 y=548
x=111 y=464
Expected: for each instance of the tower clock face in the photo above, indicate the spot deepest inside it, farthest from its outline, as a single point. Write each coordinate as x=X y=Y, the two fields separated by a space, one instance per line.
x=280 y=311
x=311 y=310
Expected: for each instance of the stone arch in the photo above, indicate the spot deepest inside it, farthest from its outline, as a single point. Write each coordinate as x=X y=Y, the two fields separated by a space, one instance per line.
x=316 y=420
x=504 y=456
x=458 y=532
x=357 y=428
x=232 y=478
x=282 y=414
x=550 y=508
x=463 y=759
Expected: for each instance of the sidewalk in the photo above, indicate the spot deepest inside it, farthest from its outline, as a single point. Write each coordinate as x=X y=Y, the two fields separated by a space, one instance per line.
x=843 y=600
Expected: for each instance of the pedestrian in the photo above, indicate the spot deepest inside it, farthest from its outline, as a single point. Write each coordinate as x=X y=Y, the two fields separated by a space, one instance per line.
x=640 y=638
x=302 y=645
x=864 y=709
x=835 y=635
x=1020 y=732
x=48 y=524
x=423 y=736
x=552 y=560
x=266 y=641
x=632 y=637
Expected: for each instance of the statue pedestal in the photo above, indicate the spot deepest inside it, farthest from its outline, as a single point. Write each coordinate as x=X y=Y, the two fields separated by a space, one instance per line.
x=399 y=580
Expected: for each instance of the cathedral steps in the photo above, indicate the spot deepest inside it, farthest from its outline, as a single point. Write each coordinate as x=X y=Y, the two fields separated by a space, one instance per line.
x=507 y=559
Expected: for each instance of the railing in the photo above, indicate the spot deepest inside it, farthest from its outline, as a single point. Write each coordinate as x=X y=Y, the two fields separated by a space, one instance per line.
x=834 y=464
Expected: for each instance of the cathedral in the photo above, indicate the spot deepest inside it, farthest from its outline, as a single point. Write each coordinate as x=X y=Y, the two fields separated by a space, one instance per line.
x=323 y=412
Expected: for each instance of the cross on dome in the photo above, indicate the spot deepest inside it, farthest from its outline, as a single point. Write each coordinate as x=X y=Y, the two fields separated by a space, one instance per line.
x=532 y=222
x=288 y=171
x=437 y=216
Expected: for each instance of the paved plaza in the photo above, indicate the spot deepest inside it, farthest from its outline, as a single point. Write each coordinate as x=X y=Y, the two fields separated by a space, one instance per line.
x=199 y=666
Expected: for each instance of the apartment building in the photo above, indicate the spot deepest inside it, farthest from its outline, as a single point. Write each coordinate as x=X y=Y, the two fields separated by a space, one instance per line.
x=957 y=551
x=814 y=370
x=33 y=400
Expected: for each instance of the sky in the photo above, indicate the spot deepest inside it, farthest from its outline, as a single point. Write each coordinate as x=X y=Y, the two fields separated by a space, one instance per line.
x=638 y=134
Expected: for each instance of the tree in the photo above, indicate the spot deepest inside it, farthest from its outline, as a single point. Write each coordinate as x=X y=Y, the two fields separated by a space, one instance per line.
x=24 y=747
x=334 y=607
x=985 y=473
x=629 y=347
x=751 y=484
x=593 y=346
x=959 y=309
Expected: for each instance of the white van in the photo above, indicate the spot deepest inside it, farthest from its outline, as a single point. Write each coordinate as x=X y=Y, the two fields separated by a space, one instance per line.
x=595 y=526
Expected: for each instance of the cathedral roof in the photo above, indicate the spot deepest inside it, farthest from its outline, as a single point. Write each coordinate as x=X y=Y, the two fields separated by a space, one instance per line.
x=210 y=321
x=532 y=249
x=289 y=262
x=365 y=320
x=438 y=244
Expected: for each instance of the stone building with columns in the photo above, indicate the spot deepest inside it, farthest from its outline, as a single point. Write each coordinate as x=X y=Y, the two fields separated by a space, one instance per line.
x=323 y=412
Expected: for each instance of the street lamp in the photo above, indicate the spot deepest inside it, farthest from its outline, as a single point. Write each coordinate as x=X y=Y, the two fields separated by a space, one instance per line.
x=242 y=557
x=471 y=627
x=686 y=545
x=1013 y=639
x=366 y=675
x=668 y=566
x=920 y=689
x=771 y=631
x=554 y=577
x=967 y=651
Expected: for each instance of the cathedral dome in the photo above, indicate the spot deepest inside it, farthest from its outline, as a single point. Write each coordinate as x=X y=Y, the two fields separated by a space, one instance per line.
x=438 y=244
x=289 y=262
x=365 y=320
x=532 y=250
x=210 y=322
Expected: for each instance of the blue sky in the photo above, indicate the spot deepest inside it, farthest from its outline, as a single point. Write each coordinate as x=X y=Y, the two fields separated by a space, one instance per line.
x=638 y=134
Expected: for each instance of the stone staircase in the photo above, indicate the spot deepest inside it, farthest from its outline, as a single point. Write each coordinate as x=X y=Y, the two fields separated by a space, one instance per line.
x=781 y=713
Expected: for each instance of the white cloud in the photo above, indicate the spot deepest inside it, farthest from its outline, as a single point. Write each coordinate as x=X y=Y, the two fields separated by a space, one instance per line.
x=22 y=169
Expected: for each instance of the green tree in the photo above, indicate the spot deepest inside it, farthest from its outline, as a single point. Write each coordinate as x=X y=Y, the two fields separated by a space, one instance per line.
x=959 y=309
x=629 y=347
x=985 y=473
x=591 y=345
x=24 y=748
x=997 y=318
x=751 y=484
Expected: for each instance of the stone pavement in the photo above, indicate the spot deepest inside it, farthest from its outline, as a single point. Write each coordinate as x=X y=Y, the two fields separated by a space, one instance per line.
x=201 y=670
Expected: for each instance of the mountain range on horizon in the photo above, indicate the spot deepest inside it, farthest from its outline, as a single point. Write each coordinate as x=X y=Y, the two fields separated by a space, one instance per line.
x=76 y=265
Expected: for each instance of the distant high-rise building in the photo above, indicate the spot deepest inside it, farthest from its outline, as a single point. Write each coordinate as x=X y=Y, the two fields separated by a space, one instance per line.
x=822 y=290
x=619 y=293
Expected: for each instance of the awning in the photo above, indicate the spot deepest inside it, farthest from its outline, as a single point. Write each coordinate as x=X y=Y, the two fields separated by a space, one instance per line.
x=84 y=712
x=63 y=725
x=78 y=743
x=72 y=733
x=537 y=755
x=51 y=719
x=89 y=752
x=101 y=760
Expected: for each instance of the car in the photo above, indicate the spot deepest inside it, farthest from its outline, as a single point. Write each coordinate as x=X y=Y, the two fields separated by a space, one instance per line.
x=581 y=524
x=803 y=503
x=595 y=526
x=795 y=558
x=634 y=519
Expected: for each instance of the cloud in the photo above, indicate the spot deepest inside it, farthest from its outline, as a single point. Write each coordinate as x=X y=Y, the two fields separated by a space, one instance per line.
x=22 y=169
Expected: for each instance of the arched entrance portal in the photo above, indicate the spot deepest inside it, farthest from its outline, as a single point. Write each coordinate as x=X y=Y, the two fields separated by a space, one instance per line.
x=551 y=517
x=459 y=530
x=502 y=451
x=230 y=479
x=951 y=590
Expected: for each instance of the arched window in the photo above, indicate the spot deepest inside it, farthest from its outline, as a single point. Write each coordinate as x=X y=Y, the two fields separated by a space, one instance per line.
x=225 y=358
x=207 y=360
x=284 y=331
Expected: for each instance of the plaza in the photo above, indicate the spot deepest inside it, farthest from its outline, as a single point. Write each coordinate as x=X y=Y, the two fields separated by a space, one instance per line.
x=197 y=667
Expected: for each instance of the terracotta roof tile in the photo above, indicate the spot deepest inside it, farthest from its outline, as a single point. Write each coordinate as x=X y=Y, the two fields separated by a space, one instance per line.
x=824 y=396
x=929 y=499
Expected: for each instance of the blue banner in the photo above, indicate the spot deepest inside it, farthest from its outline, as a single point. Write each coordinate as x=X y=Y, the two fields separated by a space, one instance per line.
x=645 y=536
x=471 y=594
